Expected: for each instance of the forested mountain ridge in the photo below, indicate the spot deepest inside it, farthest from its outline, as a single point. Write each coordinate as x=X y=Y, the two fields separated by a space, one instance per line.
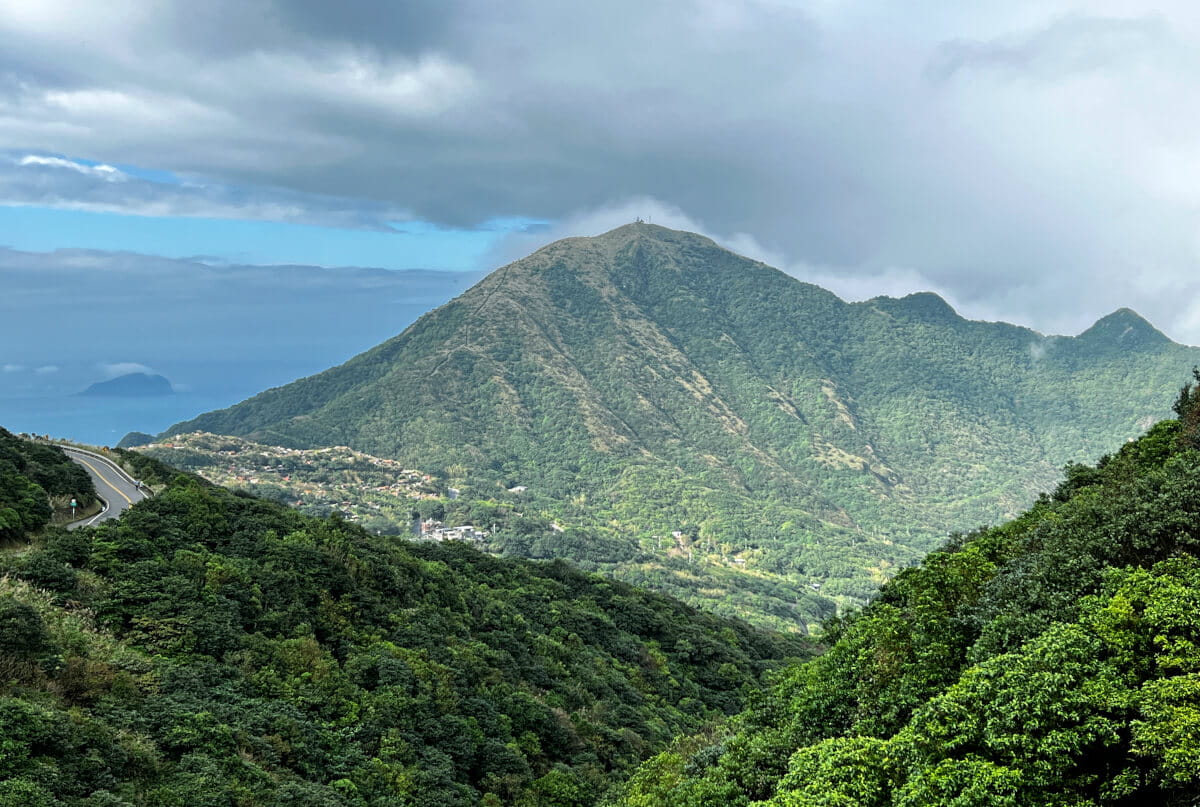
x=1052 y=660
x=649 y=382
x=212 y=649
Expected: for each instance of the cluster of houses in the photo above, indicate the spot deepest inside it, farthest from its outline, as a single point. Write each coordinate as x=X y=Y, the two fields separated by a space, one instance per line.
x=433 y=530
x=322 y=475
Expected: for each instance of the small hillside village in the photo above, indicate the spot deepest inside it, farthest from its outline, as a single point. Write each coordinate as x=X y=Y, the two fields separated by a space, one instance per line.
x=376 y=492
x=433 y=530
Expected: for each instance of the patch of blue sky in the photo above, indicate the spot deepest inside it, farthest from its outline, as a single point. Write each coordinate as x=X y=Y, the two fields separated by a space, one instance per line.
x=411 y=245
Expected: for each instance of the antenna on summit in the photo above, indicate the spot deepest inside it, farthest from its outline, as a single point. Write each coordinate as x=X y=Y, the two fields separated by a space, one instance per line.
x=638 y=220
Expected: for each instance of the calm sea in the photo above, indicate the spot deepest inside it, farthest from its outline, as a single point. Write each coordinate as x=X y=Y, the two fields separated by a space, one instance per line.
x=102 y=421
x=202 y=387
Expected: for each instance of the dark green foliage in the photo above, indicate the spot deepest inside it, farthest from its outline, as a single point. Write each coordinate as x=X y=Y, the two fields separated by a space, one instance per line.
x=647 y=382
x=149 y=470
x=1049 y=661
x=1187 y=409
x=31 y=476
x=22 y=633
x=135 y=439
x=210 y=648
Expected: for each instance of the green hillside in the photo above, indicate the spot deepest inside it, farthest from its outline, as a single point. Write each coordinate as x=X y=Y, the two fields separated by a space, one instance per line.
x=36 y=480
x=214 y=650
x=1053 y=660
x=698 y=405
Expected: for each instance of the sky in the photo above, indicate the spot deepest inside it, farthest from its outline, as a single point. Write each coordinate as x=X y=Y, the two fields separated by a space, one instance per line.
x=1031 y=162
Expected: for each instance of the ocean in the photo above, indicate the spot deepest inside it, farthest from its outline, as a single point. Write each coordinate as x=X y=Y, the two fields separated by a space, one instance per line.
x=201 y=387
x=103 y=421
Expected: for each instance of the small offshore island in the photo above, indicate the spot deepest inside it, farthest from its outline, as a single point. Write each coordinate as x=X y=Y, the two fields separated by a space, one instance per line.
x=130 y=385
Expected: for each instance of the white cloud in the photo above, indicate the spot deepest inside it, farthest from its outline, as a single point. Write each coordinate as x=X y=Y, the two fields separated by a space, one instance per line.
x=14 y=368
x=46 y=369
x=891 y=282
x=593 y=222
x=114 y=369
x=105 y=172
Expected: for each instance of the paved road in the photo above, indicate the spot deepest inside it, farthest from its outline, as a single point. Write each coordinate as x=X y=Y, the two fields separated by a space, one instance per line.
x=112 y=485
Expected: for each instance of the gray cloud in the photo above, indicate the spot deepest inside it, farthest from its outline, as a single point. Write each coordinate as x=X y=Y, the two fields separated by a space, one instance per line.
x=1068 y=45
x=54 y=181
x=1030 y=162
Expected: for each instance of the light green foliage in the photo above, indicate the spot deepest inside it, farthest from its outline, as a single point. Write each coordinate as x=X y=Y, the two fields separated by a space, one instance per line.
x=838 y=772
x=23 y=793
x=647 y=382
x=382 y=497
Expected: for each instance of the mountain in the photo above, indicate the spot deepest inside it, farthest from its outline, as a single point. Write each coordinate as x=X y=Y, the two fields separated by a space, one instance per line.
x=1052 y=660
x=211 y=648
x=704 y=406
x=1123 y=330
x=130 y=385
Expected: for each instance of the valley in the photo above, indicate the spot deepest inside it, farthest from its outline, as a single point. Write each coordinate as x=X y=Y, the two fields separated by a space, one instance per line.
x=209 y=645
x=717 y=429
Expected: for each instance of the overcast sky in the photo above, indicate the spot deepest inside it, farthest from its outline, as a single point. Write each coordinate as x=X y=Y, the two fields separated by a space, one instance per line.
x=1032 y=161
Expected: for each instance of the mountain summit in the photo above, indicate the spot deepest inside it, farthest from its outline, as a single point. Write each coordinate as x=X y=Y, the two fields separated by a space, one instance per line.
x=1123 y=329
x=658 y=384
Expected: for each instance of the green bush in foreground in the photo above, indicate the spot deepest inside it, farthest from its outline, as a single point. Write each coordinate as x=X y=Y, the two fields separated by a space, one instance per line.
x=210 y=648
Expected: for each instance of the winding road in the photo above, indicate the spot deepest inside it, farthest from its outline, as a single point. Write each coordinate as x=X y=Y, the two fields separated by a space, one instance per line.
x=115 y=487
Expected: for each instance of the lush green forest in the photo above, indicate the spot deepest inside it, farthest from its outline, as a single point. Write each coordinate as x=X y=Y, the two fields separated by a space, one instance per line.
x=704 y=409
x=34 y=479
x=1053 y=660
x=212 y=649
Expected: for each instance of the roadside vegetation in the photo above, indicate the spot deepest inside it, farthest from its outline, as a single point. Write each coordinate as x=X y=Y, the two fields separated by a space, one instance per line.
x=37 y=484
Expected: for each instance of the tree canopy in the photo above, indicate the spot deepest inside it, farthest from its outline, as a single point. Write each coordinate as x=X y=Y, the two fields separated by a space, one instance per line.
x=1052 y=660
x=212 y=648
